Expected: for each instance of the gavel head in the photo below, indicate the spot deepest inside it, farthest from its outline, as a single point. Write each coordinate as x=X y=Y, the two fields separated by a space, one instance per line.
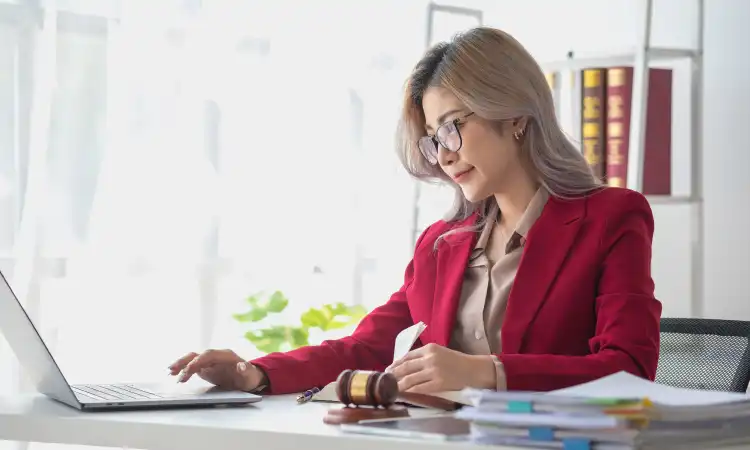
x=366 y=388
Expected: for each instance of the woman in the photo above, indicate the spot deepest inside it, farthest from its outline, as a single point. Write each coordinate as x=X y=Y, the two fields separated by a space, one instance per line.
x=540 y=279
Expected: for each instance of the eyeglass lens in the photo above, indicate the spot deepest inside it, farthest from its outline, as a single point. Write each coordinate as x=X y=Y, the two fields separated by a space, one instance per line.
x=447 y=136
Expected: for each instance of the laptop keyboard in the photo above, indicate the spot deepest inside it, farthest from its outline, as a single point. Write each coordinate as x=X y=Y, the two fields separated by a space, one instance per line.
x=114 y=392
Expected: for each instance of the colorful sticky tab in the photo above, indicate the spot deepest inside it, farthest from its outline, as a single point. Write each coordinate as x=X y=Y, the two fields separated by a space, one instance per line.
x=601 y=401
x=576 y=444
x=541 y=434
x=520 y=407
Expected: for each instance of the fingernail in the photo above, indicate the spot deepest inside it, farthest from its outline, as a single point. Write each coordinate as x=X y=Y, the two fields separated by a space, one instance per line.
x=181 y=377
x=241 y=367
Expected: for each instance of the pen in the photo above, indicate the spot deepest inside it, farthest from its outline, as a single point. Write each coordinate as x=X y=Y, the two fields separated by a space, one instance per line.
x=307 y=395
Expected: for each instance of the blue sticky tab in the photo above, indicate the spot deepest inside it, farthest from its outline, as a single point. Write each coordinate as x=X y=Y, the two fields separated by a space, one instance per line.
x=542 y=434
x=576 y=444
x=520 y=407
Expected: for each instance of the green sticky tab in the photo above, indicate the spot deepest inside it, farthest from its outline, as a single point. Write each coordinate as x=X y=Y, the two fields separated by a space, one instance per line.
x=611 y=401
x=520 y=407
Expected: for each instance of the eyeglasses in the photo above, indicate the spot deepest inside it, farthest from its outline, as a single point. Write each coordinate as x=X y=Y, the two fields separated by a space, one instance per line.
x=447 y=136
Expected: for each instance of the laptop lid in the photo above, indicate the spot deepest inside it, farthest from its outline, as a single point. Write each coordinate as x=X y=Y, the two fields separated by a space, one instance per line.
x=30 y=349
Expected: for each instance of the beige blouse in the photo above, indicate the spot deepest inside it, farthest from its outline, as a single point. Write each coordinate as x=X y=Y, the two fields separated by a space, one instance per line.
x=487 y=282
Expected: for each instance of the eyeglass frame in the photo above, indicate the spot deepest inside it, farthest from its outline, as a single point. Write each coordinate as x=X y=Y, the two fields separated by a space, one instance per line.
x=455 y=123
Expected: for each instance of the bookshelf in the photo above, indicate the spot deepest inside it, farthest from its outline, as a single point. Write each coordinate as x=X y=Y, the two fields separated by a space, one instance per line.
x=623 y=57
x=641 y=57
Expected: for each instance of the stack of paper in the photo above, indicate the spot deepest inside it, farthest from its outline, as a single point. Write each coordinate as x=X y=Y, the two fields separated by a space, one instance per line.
x=620 y=411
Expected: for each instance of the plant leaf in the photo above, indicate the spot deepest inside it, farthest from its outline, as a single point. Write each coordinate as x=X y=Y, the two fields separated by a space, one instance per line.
x=268 y=340
x=299 y=337
x=336 y=324
x=314 y=318
x=254 y=315
x=277 y=338
x=277 y=303
x=269 y=346
x=254 y=299
x=336 y=309
x=357 y=311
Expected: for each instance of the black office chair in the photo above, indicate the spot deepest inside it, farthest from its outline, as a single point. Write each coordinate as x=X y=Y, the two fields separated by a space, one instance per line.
x=708 y=354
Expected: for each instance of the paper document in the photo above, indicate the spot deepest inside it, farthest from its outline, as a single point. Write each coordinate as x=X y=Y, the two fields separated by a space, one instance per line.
x=406 y=339
x=404 y=342
x=624 y=384
x=619 y=409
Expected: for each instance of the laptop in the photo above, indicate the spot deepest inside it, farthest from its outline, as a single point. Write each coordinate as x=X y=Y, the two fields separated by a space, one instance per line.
x=36 y=359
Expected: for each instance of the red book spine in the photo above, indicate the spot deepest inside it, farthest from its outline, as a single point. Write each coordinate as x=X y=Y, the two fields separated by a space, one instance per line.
x=657 y=170
x=619 y=94
x=657 y=173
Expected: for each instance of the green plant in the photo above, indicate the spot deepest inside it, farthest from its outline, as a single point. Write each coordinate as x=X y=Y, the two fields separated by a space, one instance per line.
x=274 y=338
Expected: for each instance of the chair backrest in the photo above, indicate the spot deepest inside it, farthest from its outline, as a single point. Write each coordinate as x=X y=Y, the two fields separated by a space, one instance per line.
x=708 y=354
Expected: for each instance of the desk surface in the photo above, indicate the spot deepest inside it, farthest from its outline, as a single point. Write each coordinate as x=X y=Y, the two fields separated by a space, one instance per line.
x=277 y=422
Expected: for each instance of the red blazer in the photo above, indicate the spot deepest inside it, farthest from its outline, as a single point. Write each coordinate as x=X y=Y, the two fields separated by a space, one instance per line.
x=582 y=305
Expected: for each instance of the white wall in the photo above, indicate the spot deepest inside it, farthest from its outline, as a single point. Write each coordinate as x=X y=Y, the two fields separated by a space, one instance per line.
x=550 y=28
x=726 y=166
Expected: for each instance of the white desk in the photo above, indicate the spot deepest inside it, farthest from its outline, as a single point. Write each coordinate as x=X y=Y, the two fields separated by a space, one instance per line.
x=277 y=422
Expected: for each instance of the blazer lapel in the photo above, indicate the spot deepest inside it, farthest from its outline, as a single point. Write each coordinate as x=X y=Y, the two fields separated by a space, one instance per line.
x=452 y=257
x=547 y=245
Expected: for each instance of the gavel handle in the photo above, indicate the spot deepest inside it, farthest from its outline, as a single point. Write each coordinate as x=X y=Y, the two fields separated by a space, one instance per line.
x=427 y=401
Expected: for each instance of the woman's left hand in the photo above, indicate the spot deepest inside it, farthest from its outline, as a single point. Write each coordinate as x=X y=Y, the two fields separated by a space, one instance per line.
x=434 y=368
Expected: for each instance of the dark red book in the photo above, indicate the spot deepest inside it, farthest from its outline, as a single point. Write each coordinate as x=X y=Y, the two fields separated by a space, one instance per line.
x=657 y=170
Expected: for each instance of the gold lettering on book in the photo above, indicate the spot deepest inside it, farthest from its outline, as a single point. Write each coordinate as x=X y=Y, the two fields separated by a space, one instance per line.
x=614 y=129
x=590 y=130
x=592 y=78
x=614 y=152
x=591 y=107
x=615 y=107
x=551 y=77
x=616 y=77
x=589 y=151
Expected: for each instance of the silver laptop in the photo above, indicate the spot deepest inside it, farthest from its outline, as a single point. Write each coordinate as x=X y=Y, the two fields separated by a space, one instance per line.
x=39 y=364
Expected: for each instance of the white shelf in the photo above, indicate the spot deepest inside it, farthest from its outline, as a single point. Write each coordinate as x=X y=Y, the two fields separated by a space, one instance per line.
x=672 y=200
x=626 y=57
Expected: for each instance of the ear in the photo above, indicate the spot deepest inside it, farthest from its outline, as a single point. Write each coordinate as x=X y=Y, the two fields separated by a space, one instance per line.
x=519 y=125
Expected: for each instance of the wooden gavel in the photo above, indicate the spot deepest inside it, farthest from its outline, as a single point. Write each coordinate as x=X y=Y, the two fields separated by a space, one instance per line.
x=367 y=388
x=373 y=395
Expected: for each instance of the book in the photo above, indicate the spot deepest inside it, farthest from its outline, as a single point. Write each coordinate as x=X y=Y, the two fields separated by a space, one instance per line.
x=593 y=109
x=657 y=178
x=553 y=83
x=405 y=340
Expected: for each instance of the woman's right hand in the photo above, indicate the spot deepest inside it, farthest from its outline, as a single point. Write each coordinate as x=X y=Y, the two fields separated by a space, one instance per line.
x=222 y=368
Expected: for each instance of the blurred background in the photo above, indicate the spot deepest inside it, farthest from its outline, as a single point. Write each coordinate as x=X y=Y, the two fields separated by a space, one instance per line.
x=162 y=161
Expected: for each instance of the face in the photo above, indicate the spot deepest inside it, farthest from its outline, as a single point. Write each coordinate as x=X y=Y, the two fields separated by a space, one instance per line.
x=487 y=160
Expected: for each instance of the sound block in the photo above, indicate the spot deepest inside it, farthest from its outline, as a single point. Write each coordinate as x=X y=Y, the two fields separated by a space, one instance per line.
x=337 y=416
x=427 y=401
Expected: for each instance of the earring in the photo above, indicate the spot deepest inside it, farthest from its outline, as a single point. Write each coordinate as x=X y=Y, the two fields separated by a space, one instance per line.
x=518 y=134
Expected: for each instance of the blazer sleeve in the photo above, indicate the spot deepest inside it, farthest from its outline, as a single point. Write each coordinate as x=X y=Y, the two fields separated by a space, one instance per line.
x=370 y=347
x=627 y=313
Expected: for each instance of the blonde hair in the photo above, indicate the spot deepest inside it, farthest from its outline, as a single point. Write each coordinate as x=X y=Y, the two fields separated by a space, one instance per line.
x=496 y=78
